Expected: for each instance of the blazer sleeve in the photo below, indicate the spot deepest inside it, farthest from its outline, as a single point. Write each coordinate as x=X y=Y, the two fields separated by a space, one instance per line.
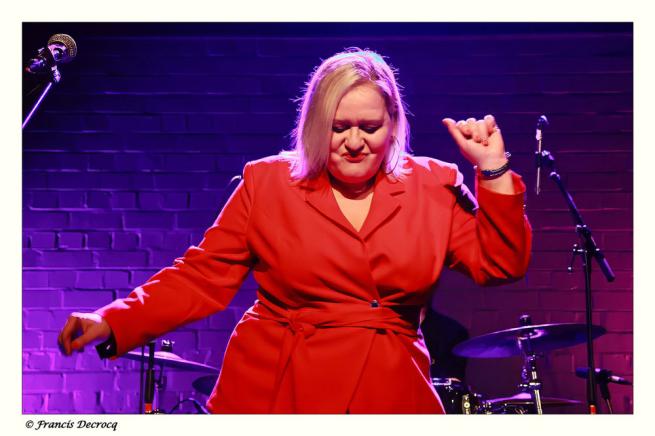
x=201 y=282
x=491 y=238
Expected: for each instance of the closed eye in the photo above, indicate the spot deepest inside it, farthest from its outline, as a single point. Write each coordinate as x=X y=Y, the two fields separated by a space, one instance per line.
x=367 y=129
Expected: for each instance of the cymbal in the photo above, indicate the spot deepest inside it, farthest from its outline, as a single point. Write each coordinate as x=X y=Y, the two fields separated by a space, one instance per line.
x=205 y=384
x=543 y=337
x=171 y=360
x=525 y=399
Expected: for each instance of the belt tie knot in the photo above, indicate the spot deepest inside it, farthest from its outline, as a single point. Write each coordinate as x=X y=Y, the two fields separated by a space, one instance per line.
x=299 y=327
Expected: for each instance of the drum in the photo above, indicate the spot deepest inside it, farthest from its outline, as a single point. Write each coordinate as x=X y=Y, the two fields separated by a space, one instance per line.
x=508 y=409
x=456 y=397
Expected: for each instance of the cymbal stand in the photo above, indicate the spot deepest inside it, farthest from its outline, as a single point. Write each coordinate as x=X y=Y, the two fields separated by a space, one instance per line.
x=149 y=390
x=529 y=374
x=160 y=384
x=153 y=383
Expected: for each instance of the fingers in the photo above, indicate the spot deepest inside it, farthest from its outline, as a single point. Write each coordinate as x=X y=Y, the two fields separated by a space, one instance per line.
x=491 y=124
x=455 y=130
x=79 y=342
x=477 y=130
x=82 y=329
x=479 y=141
x=481 y=128
x=472 y=129
x=65 y=336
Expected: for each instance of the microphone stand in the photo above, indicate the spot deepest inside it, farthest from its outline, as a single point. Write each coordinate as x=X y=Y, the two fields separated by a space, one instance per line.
x=603 y=382
x=589 y=250
x=54 y=77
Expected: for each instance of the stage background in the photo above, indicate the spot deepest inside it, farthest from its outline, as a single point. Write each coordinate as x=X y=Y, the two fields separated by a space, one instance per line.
x=126 y=163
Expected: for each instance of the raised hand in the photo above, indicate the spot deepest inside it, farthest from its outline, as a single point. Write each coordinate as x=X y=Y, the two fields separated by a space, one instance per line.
x=82 y=329
x=479 y=141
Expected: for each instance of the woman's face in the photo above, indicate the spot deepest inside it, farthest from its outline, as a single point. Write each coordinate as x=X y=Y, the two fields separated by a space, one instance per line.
x=361 y=135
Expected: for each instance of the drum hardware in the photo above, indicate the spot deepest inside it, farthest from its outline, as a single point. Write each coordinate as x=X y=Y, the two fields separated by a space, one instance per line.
x=530 y=342
x=531 y=382
x=152 y=384
x=171 y=360
x=456 y=397
x=459 y=399
x=603 y=378
x=199 y=407
x=205 y=384
x=525 y=399
x=149 y=390
x=543 y=338
x=155 y=384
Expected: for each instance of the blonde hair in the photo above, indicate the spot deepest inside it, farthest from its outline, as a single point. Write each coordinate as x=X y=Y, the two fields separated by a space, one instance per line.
x=329 y=82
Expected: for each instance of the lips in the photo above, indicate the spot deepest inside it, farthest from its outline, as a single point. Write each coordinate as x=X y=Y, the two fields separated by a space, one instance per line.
x=354 y=159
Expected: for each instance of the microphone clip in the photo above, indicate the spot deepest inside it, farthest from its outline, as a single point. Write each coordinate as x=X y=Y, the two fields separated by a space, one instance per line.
x=543 y=159
x=44 y=63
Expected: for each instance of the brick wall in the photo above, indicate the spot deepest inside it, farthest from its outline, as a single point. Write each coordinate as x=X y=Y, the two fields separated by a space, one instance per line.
x=127 y=161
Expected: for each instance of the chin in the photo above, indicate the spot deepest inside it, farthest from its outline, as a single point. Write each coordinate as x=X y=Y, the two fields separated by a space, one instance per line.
x=353 y=174
x=356 y=177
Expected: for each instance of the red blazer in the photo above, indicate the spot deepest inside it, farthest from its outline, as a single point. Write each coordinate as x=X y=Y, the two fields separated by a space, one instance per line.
x=334 y=326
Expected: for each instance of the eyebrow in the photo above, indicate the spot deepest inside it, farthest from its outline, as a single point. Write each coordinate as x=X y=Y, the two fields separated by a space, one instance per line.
x=370 y=121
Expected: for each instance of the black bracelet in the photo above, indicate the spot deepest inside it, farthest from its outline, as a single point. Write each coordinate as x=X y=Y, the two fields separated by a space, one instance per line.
x=108 y=348
x=494 y=174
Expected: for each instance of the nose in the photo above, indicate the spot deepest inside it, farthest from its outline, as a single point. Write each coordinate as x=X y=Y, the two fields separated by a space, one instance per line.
x=354 y=142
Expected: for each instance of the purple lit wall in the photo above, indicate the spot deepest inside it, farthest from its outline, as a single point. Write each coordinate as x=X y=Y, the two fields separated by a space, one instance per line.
x=125 y=165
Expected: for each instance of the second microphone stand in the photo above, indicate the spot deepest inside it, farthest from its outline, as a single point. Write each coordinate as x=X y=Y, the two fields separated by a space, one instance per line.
x=589 y=250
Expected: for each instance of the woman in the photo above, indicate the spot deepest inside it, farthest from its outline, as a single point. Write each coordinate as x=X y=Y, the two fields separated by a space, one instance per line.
x=347 y=235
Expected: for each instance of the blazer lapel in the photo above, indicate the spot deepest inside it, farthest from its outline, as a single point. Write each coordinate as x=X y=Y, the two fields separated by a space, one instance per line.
x=318 y=193
x=386 y=202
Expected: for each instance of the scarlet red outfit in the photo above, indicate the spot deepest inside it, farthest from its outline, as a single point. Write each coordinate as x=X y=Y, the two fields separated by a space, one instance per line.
x=334 y=326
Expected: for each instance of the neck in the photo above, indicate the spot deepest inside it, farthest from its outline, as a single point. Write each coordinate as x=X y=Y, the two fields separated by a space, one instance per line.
x=353 y=191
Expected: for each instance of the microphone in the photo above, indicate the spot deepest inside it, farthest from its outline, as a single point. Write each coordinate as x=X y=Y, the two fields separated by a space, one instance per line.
x=542 y=122
x=61 y=49
x=603 y=376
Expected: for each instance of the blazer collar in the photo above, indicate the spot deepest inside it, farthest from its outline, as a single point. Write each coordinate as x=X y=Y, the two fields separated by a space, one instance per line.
x=386 y=202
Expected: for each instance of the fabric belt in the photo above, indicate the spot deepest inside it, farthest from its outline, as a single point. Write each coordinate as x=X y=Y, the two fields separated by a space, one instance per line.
x=303 y=322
